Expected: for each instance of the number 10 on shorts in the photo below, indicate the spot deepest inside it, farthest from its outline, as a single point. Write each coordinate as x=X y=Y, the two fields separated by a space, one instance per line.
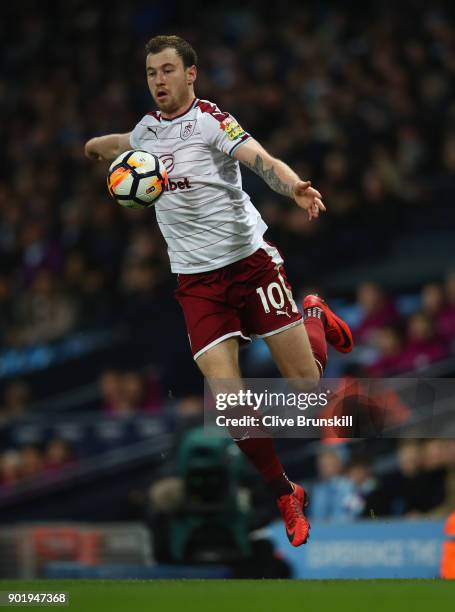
x=274 y=295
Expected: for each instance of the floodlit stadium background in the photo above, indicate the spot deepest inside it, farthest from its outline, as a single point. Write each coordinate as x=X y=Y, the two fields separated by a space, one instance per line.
x=100 y=400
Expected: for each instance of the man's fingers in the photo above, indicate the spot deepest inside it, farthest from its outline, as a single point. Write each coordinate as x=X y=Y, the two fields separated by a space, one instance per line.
x=301 y=187
x=305 y=189
x=315 y=208
x=311 y=191
x=90 y=154
x=309 y=198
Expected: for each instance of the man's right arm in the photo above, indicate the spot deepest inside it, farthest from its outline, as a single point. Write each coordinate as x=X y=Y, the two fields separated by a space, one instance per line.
x=107 y=147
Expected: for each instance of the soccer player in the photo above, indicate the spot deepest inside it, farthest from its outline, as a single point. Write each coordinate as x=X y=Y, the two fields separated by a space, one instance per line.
x=232 y=285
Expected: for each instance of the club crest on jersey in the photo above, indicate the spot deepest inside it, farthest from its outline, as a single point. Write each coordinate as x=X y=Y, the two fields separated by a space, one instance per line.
x=232 y=128
x=187 y=129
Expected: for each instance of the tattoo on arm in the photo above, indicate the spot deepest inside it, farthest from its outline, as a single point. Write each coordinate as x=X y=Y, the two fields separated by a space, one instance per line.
x=269 y=176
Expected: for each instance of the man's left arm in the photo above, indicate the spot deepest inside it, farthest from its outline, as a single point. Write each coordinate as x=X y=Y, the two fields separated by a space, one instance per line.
x=279 y=177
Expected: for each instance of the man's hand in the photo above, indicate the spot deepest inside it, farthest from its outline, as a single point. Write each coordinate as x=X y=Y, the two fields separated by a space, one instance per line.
x=308 y=198
x=91 y=151
x=107 y=147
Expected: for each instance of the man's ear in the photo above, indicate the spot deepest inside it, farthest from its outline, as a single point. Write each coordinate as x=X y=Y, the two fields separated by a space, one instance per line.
x=191 y=74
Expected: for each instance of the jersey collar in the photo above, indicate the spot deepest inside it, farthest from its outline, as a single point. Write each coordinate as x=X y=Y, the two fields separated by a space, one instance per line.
x=191 y=106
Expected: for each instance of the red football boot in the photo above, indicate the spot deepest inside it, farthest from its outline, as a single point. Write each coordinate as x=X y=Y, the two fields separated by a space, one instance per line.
x=337 y=331
x=291 y=508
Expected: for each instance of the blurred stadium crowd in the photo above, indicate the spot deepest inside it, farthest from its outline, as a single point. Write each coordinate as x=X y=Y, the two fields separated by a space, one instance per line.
x=362 y=105
x=370 y=120
x=423 y=483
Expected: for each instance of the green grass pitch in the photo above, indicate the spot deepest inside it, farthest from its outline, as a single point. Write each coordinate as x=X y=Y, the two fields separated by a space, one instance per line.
x=240 y=595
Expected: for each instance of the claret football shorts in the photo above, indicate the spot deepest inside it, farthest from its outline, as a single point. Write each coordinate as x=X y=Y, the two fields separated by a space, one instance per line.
x=248 y=298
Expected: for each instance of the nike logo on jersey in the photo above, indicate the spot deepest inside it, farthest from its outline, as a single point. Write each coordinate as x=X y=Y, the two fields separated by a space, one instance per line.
x=154 y=131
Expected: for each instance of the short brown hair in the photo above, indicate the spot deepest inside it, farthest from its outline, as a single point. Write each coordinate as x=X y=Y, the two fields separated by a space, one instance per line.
x=183 y=48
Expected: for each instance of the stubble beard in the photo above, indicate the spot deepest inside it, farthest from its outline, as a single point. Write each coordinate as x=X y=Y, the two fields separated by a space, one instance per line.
x=172 y=105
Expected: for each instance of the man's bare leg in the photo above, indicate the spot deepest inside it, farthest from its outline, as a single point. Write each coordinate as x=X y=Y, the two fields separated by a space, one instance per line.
x=220 y=367
x=291 y=351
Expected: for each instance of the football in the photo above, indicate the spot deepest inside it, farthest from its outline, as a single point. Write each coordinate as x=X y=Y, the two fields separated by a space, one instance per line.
x=136 y=179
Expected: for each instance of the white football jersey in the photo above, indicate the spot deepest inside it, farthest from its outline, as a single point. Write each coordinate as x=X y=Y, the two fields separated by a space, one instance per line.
x=207 y=219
